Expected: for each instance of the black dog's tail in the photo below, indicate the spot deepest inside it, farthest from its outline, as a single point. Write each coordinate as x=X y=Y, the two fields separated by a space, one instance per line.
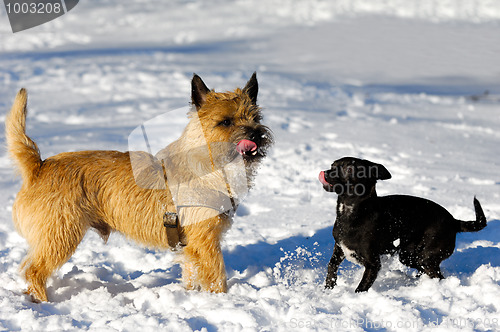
x=475 y=225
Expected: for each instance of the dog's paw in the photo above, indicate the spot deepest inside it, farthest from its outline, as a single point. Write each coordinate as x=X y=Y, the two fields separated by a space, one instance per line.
x=360 y=290
x=32 y=298
x=329 y=284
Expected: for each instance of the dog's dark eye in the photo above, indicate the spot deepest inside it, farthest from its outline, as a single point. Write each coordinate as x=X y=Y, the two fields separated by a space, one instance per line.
x=226 y=123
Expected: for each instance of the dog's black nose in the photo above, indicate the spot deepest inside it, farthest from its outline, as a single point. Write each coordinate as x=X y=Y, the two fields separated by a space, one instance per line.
x=256 y=135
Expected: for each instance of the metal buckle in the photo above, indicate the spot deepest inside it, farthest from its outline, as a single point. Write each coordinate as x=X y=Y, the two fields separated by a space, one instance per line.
x=170 y=220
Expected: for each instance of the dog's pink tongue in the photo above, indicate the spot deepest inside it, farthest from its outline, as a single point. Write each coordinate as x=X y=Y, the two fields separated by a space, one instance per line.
x=245 y=146
x=322 y=179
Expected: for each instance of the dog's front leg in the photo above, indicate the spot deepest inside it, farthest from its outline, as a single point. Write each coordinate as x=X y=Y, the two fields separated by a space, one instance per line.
x=337 y=258
x=204 y=264
x=369 y=276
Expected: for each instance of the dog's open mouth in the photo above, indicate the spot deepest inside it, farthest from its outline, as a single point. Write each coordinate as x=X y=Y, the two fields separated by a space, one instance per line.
x=247 y=148
x=323 y=181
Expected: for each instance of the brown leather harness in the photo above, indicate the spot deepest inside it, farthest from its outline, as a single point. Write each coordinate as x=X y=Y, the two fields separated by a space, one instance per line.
x=223 y=203
x=208 y=198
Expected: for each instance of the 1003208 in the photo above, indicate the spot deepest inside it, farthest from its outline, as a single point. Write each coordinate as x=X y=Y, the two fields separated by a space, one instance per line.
x=486 y=323
x=33 y=8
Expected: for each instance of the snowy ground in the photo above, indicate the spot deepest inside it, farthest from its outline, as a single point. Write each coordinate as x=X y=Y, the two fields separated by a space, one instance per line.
x=413 y=85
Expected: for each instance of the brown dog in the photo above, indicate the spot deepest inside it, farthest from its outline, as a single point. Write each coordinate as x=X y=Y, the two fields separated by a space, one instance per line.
x=65 y=195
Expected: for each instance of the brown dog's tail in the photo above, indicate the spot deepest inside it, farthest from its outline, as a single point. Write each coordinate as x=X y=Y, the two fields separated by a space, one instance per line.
x=21 y=148
x=475 y=225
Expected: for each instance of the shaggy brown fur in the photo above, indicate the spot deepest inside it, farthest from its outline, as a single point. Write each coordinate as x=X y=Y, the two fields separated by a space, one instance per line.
x=64 y=196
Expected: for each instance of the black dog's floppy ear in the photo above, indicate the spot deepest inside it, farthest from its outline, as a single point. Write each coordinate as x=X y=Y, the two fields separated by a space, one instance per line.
x=199 y=91
x=379 y=172
x=252 y=88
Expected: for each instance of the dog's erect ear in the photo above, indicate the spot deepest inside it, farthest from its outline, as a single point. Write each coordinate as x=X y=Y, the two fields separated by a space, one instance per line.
x=199 y=91
x=252 y=88
x=381 y=173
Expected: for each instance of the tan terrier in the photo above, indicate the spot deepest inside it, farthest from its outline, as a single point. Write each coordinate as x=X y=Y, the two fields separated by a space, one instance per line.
x=63 y=196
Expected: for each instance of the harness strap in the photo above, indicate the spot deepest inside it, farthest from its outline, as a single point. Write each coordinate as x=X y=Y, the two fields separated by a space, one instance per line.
x=208 y=198
x=173 y=229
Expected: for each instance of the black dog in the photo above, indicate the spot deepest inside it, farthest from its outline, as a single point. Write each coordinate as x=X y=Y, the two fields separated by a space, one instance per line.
x=367 y=226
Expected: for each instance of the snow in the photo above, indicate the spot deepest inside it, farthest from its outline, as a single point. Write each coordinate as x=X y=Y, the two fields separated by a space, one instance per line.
x=413 y=85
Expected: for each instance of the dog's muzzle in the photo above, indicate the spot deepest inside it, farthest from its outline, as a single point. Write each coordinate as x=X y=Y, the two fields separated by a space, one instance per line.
x=328 y=186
